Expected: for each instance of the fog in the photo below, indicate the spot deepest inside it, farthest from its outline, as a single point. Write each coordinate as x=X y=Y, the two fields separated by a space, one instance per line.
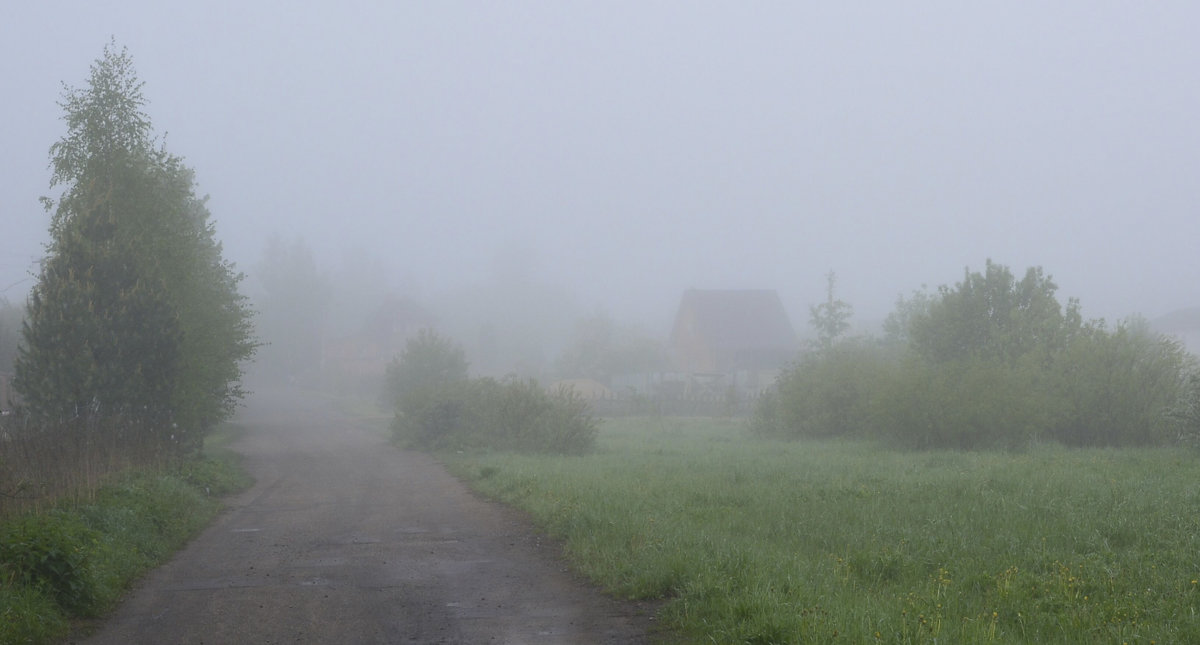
x=615 y=154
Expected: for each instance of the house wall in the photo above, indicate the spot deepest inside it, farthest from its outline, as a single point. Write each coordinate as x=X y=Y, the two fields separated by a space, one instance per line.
x=690 y=350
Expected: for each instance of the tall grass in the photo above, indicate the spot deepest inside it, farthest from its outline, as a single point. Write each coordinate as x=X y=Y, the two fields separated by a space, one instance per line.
x=76 y=556
x=757 y=541
x=42 y=463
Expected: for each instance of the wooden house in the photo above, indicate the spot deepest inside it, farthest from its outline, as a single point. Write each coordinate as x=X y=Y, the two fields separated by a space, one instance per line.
x=732 y=338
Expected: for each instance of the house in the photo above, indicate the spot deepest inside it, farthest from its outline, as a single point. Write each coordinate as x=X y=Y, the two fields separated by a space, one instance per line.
x=732 y=338
x=363 y=356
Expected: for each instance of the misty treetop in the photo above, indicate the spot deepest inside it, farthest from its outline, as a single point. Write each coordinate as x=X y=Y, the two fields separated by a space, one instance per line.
x=135 y=312
x=992 y=361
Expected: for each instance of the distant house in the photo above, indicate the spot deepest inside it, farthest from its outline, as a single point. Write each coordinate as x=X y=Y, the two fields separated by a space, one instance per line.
x=365 y=354
x=740 y=338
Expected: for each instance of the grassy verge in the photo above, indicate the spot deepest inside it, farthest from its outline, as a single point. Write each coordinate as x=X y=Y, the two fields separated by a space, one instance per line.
x=755 y=541
x=75 y=560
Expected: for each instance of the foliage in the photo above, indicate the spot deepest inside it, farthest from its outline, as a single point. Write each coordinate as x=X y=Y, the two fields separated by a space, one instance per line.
x=831 y=318
x=135 y=312
x=831 y=392
x=427 y=362
x=897 y=327
x=829 y=541
x=439 y=408
x=992 y=316
x=965 y=404
x=11 y=317
x=993 y=362
x=486 y=414
x=1119 y=387
x=292 y=307
x=77 y=558
x=1187 y=411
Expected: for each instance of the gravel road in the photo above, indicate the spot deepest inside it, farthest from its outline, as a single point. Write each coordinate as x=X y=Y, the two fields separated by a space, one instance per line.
x=345 y=539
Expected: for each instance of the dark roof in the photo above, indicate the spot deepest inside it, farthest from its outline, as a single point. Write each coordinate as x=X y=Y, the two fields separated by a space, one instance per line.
x=738 y=320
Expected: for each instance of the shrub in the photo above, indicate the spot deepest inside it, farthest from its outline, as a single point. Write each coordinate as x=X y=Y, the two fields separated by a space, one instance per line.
x=47 y=552
x=485 y=414
x=830 y=392
x=1119 y=387
x=435 y=417
x=964 y=405
x=428 y=360
x=1187 y=411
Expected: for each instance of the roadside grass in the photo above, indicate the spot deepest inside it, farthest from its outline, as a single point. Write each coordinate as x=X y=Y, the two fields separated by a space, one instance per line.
x=75 y=560
x=756 y=541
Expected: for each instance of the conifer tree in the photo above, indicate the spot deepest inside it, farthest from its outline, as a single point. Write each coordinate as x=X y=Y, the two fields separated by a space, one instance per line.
x=135 y=311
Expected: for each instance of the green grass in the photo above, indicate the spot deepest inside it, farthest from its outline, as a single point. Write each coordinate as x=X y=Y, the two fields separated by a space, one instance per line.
x=754 y=541
x=76 y=559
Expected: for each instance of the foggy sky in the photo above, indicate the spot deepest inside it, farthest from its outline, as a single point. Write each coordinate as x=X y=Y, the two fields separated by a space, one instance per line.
x=628 y=151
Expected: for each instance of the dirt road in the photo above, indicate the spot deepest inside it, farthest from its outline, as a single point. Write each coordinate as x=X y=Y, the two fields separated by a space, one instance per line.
x=345 y=539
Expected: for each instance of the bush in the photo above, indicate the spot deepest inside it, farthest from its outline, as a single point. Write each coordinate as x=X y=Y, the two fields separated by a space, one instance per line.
x=47 y=553
x=993 y=362
x=830 y=392
x=428 y=360
x=1119 y=387
x=485 y=414
x=964 y=405
x=1187 y=411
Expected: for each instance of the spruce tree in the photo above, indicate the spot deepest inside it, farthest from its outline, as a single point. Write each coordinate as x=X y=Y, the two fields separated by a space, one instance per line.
x=135 y=311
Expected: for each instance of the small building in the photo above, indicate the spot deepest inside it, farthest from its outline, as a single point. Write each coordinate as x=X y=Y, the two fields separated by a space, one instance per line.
x=739 y=338
x=363 y=357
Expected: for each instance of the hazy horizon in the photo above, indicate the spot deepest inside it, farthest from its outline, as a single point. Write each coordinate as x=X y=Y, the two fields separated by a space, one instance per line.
x=626 y=152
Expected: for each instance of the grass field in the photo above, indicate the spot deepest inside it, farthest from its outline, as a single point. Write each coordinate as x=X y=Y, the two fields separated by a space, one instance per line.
x=753 y=541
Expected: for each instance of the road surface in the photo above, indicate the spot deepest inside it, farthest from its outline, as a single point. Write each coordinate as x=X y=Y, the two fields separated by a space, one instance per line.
x=346 y=539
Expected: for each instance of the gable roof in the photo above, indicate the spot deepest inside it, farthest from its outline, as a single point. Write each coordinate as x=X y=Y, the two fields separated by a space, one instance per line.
x=736 y=328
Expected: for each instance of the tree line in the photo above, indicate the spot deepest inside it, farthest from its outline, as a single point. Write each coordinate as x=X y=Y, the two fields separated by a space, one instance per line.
x=995 y=362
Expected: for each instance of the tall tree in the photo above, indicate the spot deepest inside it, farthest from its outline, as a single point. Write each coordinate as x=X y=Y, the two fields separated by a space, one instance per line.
x=292 y=308
x=993 y=316
x=135 y=310
x=831 y=318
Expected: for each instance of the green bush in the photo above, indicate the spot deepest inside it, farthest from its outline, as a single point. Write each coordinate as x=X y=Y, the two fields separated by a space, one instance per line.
x=964 y=404
x=485 y=414
x=1187 y=411
x=827 y=393
x=48 y=552
x=1118 y=388
x=428 y=360
x=993 y=362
